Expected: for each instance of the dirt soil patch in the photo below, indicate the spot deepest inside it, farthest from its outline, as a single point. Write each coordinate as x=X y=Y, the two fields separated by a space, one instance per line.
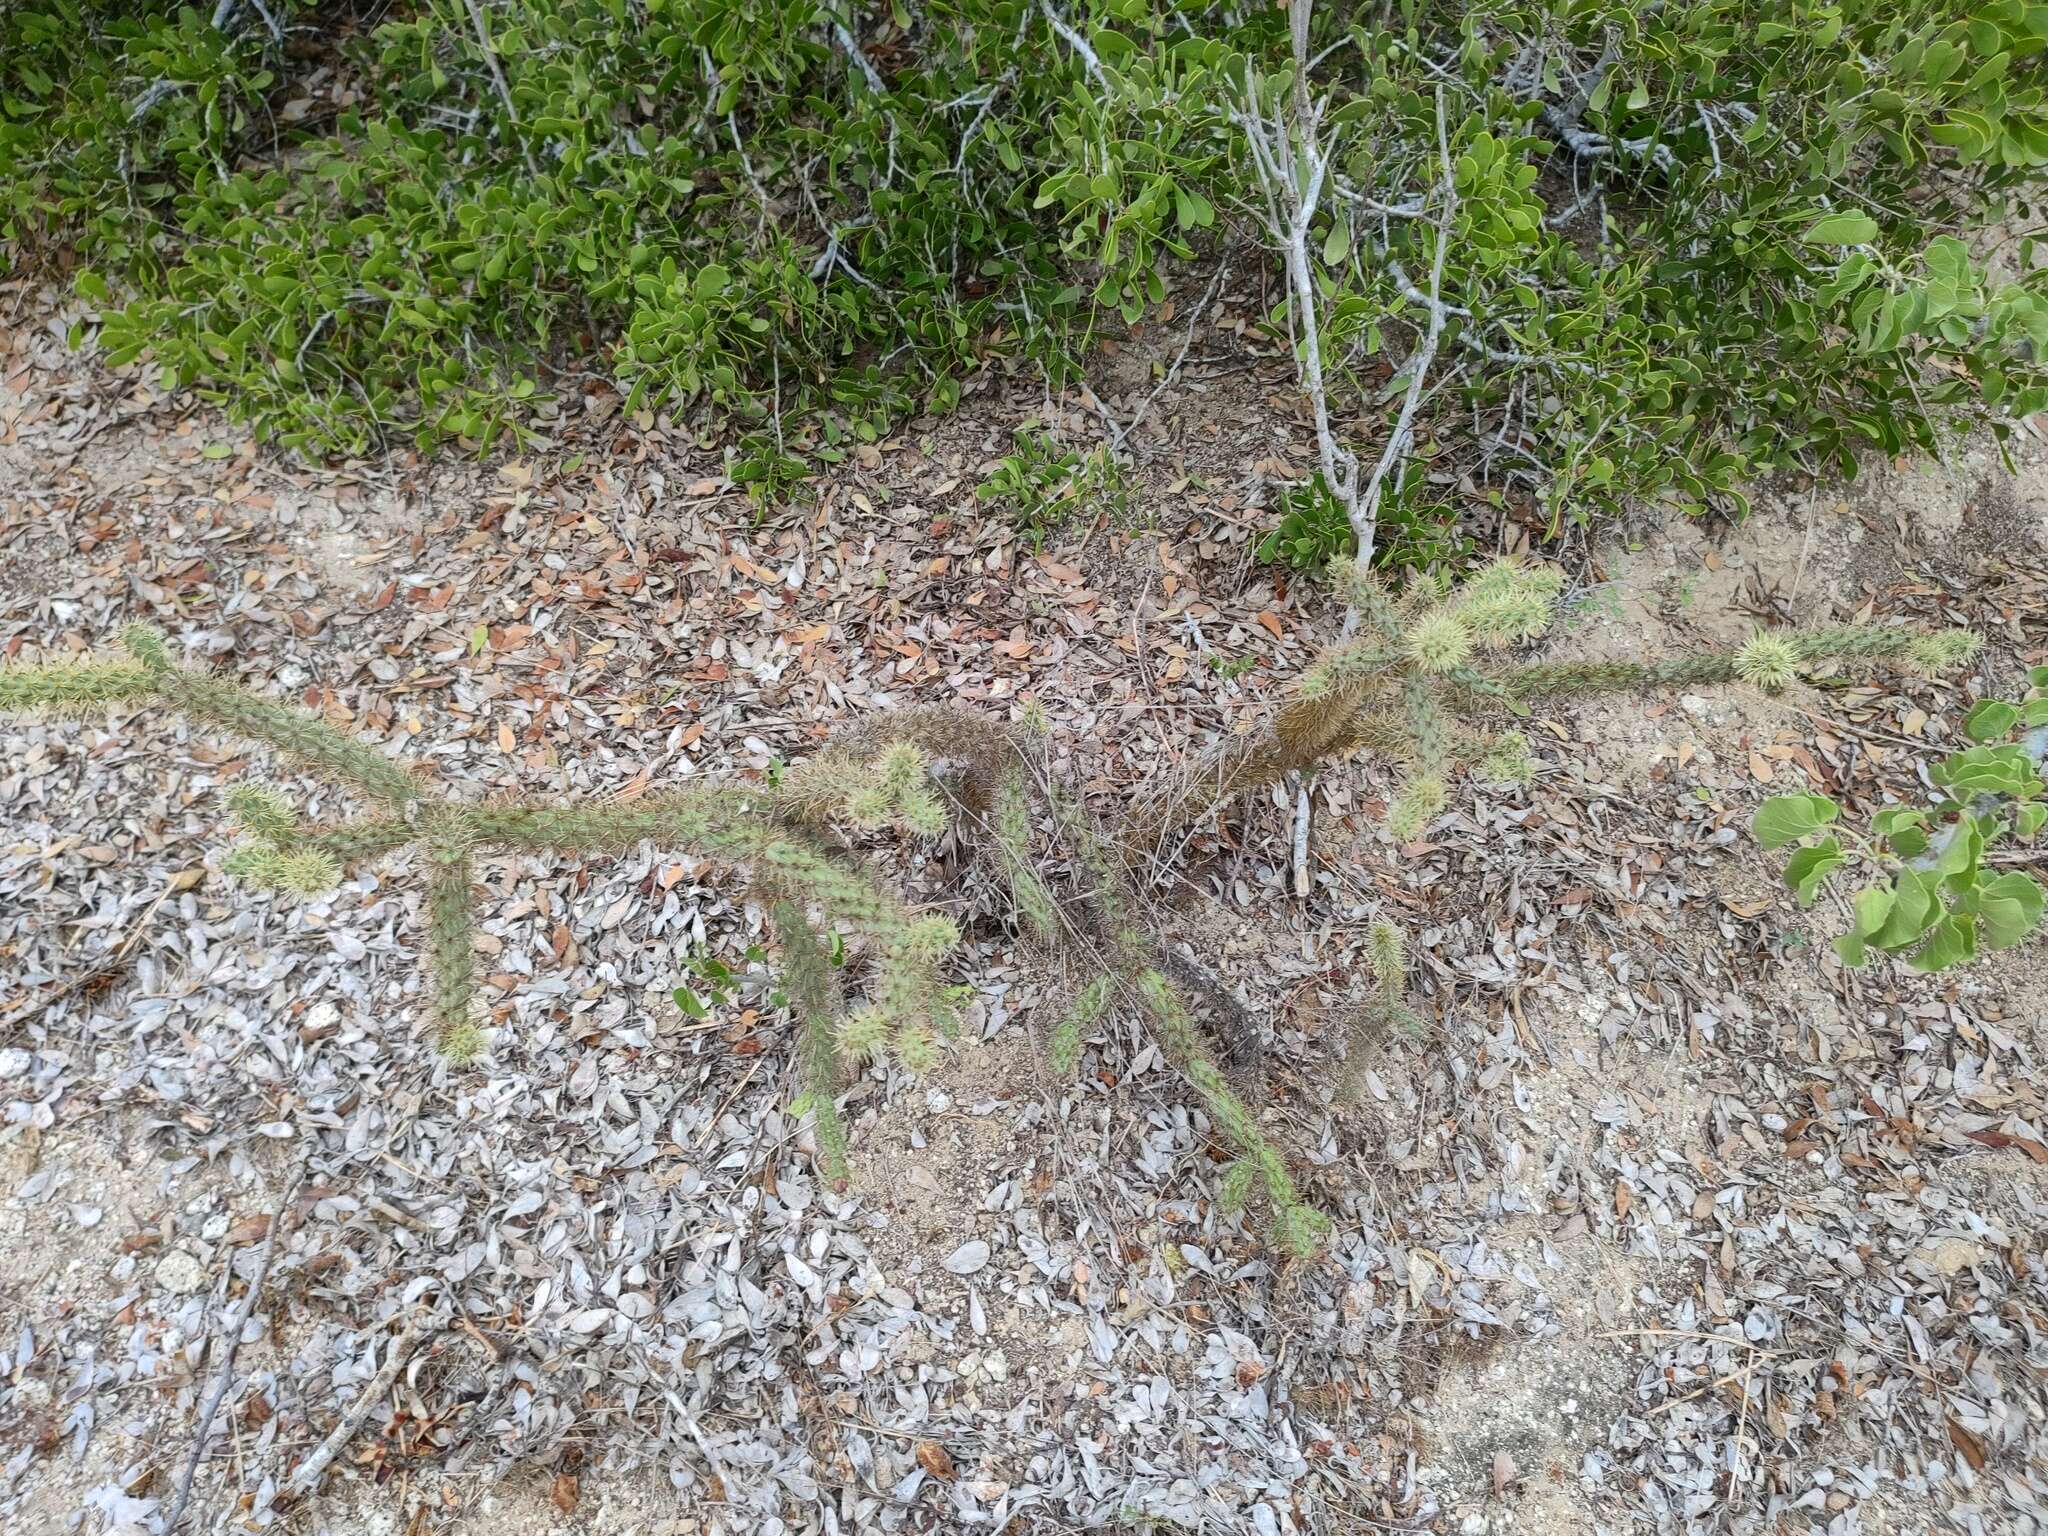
x=1665 y=1221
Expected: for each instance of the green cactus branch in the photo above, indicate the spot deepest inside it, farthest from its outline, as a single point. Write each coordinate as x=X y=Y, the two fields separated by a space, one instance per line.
x=1417 y=688
x=816 y=998
x=741 y=823
x=1083 y=918
x=65 y=688
x=1407 y=691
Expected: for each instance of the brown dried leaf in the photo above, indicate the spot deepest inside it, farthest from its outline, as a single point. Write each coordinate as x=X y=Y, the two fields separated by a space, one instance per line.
x=249 y=1229
x=563 y=1494
x=1971 y=1447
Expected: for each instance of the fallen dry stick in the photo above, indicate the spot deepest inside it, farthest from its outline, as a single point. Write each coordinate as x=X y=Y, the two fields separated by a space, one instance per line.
x=309 y=1470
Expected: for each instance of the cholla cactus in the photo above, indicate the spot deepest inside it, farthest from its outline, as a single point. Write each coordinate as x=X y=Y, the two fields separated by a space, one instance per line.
x=766 y=829
x=1085 y=1012
x=1430 y=660
x=1409 y=688
x=1384 y=1006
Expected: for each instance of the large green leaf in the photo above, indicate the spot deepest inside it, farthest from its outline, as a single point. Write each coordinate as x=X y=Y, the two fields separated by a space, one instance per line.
x=2009 y=908
x=1951 y=941
x=1809 y=867
x=1842 y=229
x=1990 y=720
x=1915 y=904
x=1784 y=819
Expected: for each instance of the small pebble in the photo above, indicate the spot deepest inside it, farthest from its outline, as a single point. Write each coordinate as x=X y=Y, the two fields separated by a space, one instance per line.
x=179 y=1273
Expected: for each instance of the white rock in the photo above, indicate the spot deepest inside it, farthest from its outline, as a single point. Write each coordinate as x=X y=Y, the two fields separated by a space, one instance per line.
x=179 y=1273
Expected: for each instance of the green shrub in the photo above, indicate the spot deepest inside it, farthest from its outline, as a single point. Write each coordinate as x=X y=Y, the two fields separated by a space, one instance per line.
x=1681 y=245
x=1931 y=896
x=1314 y=532
x=1043 y=485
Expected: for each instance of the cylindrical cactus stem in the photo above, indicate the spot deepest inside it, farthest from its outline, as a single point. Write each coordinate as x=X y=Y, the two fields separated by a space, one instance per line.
x=1543 y=678
x=1352 y=661
x=1841 y=642
x=1428 y=726
x=1364 y=589
x=1387 y=952
x=297 y=871
x=451 y=937
x=145 y=642
x=845 y=895
x=349 y=842
x=312 y=743
x=1930 y=651
x=1472 y=680
x=1295 y=1225
x=1065 y=1048
x=73 y=687
x=264 y=812
x=814 y=994
x=1425 y=787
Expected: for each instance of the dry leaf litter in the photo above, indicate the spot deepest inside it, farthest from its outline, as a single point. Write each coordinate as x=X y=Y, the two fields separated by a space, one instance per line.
x=1669 y=1225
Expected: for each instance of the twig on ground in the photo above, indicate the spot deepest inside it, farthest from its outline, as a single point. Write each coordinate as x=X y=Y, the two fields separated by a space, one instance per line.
x=1117 y=433
x=224 y=1377
x=1741 y=1426
x=104 y=971
x=1746 y=1370
x=308 y=1472
x=1302 y=815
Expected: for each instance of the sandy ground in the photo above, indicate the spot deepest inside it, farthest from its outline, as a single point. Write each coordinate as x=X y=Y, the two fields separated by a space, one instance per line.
x=1668 y=1223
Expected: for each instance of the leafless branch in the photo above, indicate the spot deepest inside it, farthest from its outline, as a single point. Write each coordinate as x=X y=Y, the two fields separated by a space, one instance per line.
x=1403 y=435
x=308 y=1472
x=1302 y=816
x=1075 y=41
x=224 y=1377
x=1293 y=167
x=851 y=47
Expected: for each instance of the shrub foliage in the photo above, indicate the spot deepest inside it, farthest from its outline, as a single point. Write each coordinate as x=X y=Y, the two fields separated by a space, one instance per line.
x=1935 y=894
x=1682 y=242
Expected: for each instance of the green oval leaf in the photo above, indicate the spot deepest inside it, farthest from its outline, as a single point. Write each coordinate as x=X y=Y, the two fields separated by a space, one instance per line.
x=1784 y=819
x=1809 y=867
x=1951 y=941
x=1990 y=720
x=2009 y=908
x=1841 y=229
